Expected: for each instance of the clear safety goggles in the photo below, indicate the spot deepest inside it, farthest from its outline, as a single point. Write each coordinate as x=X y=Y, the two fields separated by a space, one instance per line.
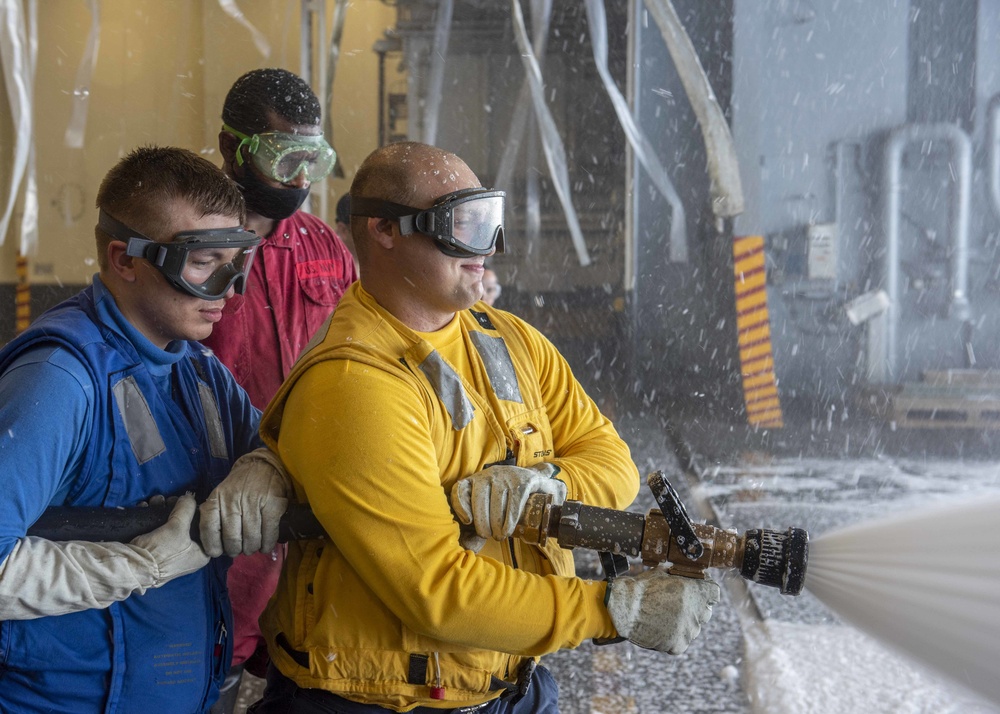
x=283 y=156
x=464 y=223
x=205 y=263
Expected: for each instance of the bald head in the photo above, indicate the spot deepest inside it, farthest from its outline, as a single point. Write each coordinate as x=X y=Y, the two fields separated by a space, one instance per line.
x=408 y=173
x=410 y=274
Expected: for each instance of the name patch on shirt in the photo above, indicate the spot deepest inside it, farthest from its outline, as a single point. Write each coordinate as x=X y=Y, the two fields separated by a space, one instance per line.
x=318 y=269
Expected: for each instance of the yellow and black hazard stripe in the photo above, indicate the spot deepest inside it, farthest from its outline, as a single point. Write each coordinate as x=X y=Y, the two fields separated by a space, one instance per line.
x=753 y=326
x=22 y=297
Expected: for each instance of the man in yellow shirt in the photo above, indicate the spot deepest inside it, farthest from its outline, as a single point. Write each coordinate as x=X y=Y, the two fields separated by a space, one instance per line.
x=418 y=407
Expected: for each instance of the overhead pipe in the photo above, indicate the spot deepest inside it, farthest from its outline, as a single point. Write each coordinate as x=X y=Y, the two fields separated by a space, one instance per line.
x=961 y=166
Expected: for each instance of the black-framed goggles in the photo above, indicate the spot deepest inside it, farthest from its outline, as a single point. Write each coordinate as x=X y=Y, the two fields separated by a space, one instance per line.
x=205 y=263
x=462 y=223
x=283 y=156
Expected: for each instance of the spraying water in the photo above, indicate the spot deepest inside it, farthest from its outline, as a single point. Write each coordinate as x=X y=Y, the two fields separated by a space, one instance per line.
x=926 y=583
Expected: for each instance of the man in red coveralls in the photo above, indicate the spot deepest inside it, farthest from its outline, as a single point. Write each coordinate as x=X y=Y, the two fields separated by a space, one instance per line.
x=272 y=145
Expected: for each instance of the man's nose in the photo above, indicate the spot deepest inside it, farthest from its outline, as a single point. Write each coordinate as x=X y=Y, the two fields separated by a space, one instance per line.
x=299 y=180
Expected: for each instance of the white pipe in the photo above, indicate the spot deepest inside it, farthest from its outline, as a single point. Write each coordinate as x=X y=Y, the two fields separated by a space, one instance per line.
x=961 y=167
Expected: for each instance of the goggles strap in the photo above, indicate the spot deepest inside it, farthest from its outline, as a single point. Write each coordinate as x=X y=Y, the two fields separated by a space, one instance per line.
x=251 y=142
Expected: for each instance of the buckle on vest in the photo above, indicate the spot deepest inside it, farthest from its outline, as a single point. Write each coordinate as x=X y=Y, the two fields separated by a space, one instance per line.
x=520 y=687
x=300 y=658
x=524 y=675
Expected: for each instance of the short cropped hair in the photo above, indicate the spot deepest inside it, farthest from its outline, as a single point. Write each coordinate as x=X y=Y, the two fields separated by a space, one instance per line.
x=138 y=188
x=261 y=91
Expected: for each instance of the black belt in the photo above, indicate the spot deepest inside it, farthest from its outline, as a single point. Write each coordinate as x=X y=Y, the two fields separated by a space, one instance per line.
x=417 y=674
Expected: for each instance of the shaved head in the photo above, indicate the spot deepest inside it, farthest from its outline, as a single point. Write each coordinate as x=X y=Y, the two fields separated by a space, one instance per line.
x=409 y=173
x=409 y=275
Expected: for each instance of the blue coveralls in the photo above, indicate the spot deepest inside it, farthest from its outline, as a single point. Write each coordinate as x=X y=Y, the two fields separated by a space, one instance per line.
x=160 y=422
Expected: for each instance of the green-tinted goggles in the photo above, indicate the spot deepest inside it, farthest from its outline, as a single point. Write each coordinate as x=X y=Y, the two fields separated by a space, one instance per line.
x=283 y=156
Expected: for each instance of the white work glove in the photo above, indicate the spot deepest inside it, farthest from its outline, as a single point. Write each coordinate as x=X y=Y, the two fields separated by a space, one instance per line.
x=41 y=578
x=659 y=611
x=170 y=546
x=492 y=500
x=243 y=512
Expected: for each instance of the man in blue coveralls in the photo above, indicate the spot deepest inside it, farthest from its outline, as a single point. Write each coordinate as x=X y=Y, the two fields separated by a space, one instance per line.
x=108 y=400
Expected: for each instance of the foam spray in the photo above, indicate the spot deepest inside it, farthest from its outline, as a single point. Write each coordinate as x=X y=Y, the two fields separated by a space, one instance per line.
x=926 y=583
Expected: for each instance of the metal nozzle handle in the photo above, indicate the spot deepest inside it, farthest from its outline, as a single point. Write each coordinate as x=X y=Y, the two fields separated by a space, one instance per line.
x=676 y=516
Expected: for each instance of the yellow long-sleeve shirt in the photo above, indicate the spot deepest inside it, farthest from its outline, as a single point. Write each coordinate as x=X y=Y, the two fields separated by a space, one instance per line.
x=375 y=425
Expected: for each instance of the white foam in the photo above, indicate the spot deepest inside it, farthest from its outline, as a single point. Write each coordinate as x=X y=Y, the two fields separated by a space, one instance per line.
x=925 y=582
x=792 y=668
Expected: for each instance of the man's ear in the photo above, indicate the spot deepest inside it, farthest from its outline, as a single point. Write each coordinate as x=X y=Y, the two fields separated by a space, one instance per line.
x=382 y=233
x=120 y=262
x=228 y=145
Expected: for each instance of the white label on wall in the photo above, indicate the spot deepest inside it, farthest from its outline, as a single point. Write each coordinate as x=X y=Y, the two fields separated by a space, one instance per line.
x=822 y=258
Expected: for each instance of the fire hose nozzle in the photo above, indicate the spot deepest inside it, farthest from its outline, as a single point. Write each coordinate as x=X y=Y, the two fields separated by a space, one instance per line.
x=773 y=558
x=769 y=557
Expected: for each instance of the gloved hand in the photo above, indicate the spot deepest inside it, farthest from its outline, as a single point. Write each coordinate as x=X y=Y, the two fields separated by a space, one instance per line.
x=492 y=500
x=243 y=512
x=41 y=578
x=170 y=546
x=659 y=611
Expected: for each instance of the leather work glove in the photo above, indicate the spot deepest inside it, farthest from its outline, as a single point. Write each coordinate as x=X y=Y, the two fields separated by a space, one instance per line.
x=41 y=578
x=659 y=611
x=492 y=500
x=243 y=512
x=170 y=546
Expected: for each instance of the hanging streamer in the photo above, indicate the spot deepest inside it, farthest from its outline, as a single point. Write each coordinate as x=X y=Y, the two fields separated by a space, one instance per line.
x=29 y=214
x=15 y=53
x=643 y=150
x=723 y=166
x=77 y=127
x=260 y=42
x=552 y=145
x=541 y=15
x=333 y=56
x=435 y=85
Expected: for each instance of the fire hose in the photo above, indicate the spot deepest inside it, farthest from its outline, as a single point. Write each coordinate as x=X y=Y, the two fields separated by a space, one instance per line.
x=665 y=535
